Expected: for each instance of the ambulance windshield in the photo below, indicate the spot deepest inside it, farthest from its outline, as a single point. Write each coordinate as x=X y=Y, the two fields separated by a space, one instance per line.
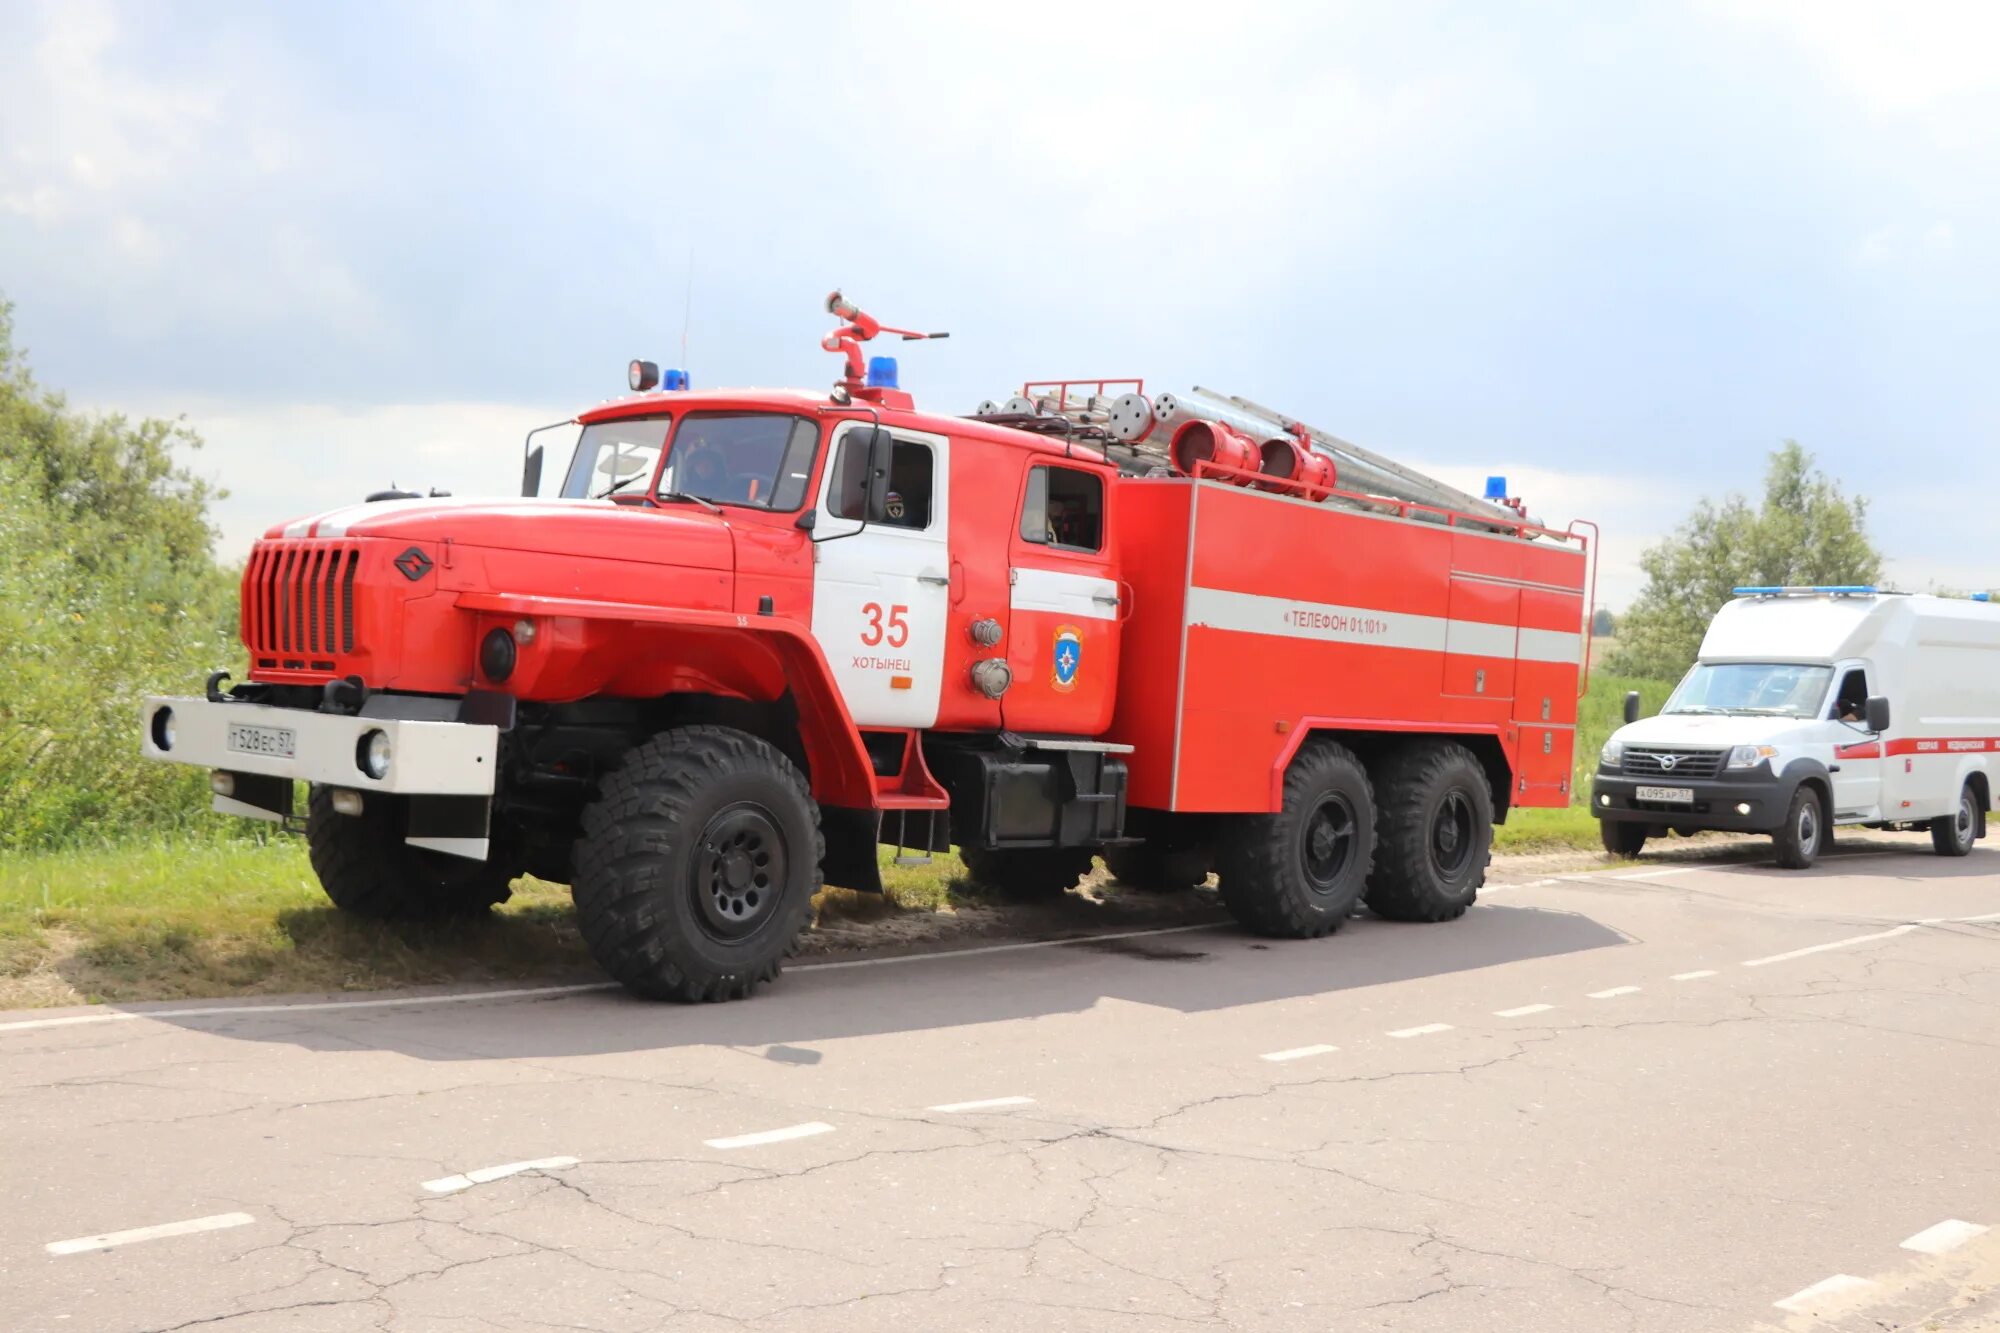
x=1767 y=689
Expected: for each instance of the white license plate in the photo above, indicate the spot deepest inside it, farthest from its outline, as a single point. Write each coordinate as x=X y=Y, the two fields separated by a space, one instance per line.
x=1670 y=795
x=278 y=742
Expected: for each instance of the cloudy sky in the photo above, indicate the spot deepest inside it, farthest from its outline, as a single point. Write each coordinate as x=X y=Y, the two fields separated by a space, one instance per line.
x=1615 y=252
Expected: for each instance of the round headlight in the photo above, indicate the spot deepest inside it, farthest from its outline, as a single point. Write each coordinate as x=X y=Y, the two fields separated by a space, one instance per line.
x=371 y=756
x=163 y=729
x=496 y=655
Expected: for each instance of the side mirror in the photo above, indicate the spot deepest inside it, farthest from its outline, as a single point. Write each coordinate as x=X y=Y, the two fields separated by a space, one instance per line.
x=531 y=473
x=1631 y=706
x=1876 y=710
x=880 y=447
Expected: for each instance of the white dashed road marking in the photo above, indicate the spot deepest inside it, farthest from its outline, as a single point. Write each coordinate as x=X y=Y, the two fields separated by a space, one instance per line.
x=1614 y=992
x=84 y=1244
x=1694 y=976
x=1523 y=1011
x=990 y=1104
x=1297 y=1053
x=1821 y=1293
x=452 y=1184
x=1849 y=942
x=1945 y=1237
x=804 y=1131
x=1423 y=1031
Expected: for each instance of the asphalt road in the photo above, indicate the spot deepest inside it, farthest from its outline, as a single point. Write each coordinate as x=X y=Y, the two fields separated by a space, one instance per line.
x=1667 y=1100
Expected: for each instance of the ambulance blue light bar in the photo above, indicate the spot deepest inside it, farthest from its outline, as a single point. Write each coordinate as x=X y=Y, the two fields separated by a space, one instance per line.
x=1833 y=589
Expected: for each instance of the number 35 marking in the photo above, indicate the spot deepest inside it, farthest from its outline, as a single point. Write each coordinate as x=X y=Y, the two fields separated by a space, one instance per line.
x=897 y=631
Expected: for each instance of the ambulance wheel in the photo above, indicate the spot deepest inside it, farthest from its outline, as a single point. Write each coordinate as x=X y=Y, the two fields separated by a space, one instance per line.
x=1157 y=869
x=1802 y=837
x=1954 y=834
x=368 y=870
x=1297 y=874
x=1027 y=873
x=1435 y=831
x=1626 y=840
x=698 y=864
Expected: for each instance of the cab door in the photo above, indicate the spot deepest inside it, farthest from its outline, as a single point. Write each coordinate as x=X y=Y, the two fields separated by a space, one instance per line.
x=1856 y=766
x=881 y=589
x=1065 y=605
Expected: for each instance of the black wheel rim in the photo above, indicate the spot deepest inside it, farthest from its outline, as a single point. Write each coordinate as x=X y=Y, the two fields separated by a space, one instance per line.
x=1327 y=842
x=740 y=868
x=1453 y=834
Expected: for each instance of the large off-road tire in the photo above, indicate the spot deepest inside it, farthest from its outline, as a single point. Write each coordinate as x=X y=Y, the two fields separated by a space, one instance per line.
x=697 y=867
x=1620 y=839
x=368 y=870
x=1297 y=874
x=1434 y=835
x=1157 y=869
x=1802 y=837
x=1954 y=834
x=1028 y=873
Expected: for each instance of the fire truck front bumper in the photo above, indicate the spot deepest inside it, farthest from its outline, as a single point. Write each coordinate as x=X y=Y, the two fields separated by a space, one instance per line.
x=255 y=752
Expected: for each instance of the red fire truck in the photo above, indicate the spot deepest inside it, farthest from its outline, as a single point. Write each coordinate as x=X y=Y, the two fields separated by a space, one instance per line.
x=759 y=633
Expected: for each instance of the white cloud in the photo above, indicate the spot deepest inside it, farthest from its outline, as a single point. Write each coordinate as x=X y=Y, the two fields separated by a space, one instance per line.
x=1928 y=58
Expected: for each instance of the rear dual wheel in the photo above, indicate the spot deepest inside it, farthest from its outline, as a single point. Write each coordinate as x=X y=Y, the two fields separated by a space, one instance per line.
x=1298 y=873
x=1436 y=833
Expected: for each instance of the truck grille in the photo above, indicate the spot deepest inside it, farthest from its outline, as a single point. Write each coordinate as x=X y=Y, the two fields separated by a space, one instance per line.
x=1674 y=763
x=298 y=597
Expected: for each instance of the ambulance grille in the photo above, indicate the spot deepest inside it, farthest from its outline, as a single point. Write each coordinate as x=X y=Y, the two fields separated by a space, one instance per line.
x=1673 y=763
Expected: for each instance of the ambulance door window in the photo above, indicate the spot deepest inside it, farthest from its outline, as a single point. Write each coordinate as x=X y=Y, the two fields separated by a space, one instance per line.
x=1850 y=701
x=1064 y=509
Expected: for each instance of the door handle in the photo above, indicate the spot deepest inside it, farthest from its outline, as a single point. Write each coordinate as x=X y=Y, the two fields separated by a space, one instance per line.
x=1104 y=598
x=941 y=580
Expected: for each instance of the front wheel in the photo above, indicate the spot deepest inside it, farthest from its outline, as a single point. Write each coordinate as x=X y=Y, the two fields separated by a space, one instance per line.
x=1801 y=838
x=697 y=867
x=1626 y=840
x=368 y=870
x=1954 y=834
x=1297 y=874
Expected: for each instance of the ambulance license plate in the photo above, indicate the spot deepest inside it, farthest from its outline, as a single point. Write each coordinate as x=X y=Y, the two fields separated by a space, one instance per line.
x=1666 y=795
x=278 y=742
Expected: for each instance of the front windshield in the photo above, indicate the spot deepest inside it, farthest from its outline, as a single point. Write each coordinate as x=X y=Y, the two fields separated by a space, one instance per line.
x=1771 y=689
x=615 y=456
x=762 y=459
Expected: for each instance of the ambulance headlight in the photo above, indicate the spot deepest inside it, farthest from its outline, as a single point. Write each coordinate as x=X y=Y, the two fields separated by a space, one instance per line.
x=1749 y=756
x=1612 y=755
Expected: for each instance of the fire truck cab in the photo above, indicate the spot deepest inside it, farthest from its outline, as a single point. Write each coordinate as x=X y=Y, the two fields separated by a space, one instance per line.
x=755 y=634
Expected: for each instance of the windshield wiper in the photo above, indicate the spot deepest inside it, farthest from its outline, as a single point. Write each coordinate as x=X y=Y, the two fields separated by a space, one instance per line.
x=617 y=486
x=1695 y=708
x=707 y=504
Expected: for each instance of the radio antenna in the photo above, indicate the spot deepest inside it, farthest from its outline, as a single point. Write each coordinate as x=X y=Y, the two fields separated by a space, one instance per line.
x=687 y=305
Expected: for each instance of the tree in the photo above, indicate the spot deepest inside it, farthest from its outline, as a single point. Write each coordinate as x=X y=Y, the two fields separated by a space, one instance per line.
x=1805 y=532
x=1602 y=623
x=108 y=591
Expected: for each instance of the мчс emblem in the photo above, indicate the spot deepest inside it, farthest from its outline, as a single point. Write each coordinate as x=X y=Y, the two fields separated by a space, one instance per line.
x=413 y=564
x=1068 y=657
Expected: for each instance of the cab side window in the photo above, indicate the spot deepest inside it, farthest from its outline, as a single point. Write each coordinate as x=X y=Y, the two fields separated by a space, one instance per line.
x=1850 y=701
x=1064 y=509
x=912 y=473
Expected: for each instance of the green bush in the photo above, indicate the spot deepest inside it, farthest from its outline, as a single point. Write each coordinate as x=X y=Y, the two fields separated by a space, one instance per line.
x=108 y=591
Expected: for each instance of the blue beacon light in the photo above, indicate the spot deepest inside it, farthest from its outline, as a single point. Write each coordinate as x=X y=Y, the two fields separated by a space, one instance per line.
x=882 y=372
x=674 y=380
x=1496 y=488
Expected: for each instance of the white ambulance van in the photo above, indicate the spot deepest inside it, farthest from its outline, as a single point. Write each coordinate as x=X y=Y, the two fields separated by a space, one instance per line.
x=1812 y=707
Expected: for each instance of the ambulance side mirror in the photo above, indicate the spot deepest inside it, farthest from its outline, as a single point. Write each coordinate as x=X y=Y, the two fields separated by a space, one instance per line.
x=1631 y=707
x=1877 y=712
x=880 y=448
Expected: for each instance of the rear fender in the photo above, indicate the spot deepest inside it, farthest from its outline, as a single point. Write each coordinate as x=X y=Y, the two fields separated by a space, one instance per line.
x=1368 y=737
